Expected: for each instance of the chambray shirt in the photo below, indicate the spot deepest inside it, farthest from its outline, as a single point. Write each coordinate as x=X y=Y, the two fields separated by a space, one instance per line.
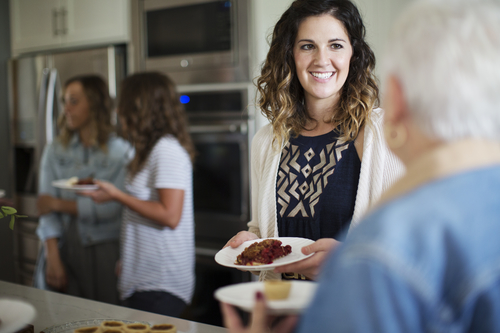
x=96 y=222
x=428 y=261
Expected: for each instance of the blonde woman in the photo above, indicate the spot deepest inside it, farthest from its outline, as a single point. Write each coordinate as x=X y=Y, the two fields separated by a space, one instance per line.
x=81 y=238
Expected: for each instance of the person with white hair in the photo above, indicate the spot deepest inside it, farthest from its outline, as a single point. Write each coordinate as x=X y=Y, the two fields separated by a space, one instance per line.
x=427 y=257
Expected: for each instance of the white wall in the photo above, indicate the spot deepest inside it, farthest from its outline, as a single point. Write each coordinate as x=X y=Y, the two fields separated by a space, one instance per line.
x=378 y=17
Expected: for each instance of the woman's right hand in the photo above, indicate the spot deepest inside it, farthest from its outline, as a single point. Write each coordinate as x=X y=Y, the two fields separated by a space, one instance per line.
x=240 y=238
x=55 y=274
x=106 y=192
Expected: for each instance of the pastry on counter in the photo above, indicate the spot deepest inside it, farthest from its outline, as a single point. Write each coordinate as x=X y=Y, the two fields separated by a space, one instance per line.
x=163 y=328
x=112 y=325
x=136 y=328
x=89 y=329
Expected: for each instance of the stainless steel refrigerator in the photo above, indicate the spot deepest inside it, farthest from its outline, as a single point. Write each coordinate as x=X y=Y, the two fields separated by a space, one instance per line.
x=35 y=104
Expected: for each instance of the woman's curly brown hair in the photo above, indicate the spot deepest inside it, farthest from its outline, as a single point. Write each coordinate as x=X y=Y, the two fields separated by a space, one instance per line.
x=149 y=108
x=100 y=104
x=281 y=94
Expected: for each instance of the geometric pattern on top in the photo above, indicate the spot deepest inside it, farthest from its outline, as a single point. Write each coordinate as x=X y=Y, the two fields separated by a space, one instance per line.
x=313 y=178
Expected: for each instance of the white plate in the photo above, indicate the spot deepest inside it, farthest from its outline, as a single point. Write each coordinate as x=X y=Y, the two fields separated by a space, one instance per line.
x=227 y=256
x=15 y=314
x=242 y=295
x=73 y=325
x=63 y=183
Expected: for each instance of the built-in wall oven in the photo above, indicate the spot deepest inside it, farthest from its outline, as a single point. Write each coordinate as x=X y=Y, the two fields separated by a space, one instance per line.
x=221 y=126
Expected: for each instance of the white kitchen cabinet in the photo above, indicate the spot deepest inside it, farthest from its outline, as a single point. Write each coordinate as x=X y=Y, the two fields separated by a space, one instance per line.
x=38 y=25
x=34 y=24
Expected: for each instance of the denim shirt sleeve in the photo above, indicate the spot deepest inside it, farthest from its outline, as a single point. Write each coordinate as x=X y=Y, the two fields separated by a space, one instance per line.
x=50 y=225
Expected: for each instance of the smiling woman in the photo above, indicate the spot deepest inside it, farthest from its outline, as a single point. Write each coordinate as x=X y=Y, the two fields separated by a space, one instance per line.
x=321 y=162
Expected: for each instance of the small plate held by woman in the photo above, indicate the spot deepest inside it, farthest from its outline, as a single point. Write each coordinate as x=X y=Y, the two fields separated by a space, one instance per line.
x=75 y=184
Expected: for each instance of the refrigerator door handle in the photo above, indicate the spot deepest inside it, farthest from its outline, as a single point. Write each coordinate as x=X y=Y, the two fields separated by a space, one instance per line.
x=49 y=106
x=42 y=99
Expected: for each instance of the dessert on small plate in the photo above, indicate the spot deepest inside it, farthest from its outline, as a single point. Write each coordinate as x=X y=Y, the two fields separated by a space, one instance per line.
x=294 y=301
x=76 y=184
x=263 y=253
x=229 y=257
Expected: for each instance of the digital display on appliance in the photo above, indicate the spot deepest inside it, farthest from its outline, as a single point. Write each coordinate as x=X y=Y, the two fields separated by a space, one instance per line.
x=213 y=101
x=192 y=29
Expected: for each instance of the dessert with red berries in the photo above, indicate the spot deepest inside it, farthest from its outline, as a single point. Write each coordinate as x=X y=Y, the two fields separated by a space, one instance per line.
x=262 y=253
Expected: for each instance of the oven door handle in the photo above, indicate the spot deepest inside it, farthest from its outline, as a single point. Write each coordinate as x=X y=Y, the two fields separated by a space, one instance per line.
x=223 y=128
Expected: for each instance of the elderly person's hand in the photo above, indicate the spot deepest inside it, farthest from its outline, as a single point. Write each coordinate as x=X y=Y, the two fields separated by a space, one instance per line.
x=260 y=322
x=311 y=266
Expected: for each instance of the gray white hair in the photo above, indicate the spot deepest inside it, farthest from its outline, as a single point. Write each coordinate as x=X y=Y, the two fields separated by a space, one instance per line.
x=446 y=54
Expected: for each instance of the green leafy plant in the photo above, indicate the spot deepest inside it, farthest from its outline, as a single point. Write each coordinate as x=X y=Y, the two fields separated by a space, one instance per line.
x=6 y=211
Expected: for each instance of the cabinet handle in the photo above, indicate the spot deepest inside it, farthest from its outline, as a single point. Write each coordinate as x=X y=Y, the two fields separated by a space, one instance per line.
x=63 y=20
x=55 y=14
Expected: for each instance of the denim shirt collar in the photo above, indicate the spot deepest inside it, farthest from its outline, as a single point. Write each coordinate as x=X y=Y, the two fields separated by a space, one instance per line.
x=444 y=160
x=75 y=140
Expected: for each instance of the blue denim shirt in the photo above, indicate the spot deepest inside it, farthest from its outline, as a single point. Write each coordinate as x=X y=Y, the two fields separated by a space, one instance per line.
x=428 y=261
x=96 y=222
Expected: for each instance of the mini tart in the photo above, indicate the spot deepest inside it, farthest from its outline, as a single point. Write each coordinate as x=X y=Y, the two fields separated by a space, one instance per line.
x=111 y=330
x=112 y=325
x=136 y=328
x=89 y=329
x=277 y=289
x=163 y=328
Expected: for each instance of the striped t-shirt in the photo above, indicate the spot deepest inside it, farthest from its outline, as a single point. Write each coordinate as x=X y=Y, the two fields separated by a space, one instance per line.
x=156 y=258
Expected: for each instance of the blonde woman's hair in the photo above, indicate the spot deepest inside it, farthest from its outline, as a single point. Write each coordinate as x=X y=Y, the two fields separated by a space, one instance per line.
x=95 y=90
x=281 y=94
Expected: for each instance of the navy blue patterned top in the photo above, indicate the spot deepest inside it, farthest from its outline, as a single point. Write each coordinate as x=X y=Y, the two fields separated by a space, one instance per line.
x=316 y=187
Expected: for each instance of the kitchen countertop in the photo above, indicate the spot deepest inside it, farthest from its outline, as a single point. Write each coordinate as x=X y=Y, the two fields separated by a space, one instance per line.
x=54 y=309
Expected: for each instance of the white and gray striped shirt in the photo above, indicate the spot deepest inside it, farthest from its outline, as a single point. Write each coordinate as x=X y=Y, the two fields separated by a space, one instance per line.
x=156 y=258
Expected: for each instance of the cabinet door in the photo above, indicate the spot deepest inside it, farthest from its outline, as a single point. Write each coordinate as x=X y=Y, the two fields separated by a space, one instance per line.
x=95 y=22
x=34 y=25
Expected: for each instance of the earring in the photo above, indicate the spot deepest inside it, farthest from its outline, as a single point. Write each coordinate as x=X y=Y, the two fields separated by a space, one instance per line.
x=395 y=136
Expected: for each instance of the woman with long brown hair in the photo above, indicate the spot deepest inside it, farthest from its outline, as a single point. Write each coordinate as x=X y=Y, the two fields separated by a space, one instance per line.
x=157 y=242
x=322 y=161
x=81 y=238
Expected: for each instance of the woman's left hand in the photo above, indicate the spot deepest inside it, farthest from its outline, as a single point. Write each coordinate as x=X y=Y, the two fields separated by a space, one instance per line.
x=311 y=266
x=45 y=204
x=260 y=322
x=106 y=192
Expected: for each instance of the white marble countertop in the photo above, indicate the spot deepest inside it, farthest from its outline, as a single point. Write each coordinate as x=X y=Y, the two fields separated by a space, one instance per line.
x=56 y=309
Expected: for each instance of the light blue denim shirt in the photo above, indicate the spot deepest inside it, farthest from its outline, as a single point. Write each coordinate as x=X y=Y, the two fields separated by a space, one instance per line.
x=96 y=222
x=428 y=261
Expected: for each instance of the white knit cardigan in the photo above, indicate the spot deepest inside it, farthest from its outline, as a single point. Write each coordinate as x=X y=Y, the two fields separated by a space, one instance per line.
x=379 y=169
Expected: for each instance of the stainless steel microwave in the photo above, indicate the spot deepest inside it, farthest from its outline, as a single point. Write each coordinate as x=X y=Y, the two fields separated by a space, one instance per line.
x=195 y=41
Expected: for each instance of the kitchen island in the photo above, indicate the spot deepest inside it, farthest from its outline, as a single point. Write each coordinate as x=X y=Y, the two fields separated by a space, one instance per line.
x=55 y=309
